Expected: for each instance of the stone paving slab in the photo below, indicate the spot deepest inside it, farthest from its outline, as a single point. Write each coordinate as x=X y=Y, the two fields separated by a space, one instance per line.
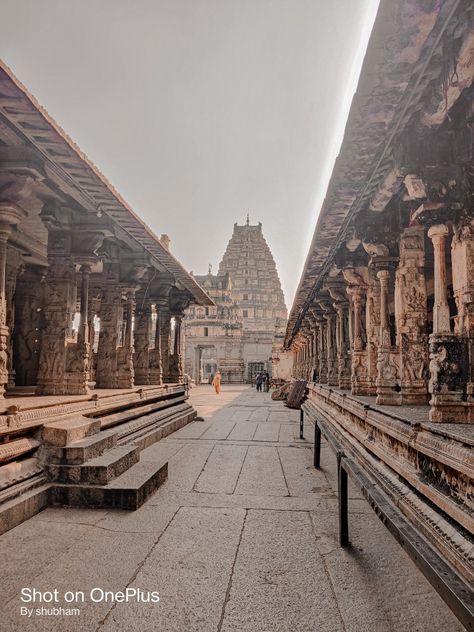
x=267 y=432
x=280 y=582
x=192 y=565
x=262 y=473
x=222 y=469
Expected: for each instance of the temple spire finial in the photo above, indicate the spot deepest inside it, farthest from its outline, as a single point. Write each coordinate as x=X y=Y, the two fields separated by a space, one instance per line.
x=248 y=218
x=209 y=270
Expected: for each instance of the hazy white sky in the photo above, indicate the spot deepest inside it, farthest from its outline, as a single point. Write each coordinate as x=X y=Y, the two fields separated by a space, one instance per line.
x=198 y=111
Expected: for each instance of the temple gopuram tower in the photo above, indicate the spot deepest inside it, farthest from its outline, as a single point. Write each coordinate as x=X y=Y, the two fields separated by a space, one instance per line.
x=257 y=290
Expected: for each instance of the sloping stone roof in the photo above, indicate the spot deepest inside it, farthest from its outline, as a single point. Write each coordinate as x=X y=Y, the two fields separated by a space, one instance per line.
x=403 y=58
x=91 y=187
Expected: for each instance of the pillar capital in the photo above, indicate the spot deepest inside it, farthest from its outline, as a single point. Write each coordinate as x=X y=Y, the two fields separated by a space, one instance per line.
x=438 y=232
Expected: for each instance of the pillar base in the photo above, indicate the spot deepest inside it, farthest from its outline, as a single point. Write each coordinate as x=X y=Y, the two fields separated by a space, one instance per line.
x=448 y=408
x=387 y=396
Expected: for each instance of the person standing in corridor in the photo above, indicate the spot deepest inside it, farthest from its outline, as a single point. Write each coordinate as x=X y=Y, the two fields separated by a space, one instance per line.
x=216 y=382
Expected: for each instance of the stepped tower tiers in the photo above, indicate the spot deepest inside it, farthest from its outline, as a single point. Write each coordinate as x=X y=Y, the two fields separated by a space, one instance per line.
x=255 y=282
x=237 y=335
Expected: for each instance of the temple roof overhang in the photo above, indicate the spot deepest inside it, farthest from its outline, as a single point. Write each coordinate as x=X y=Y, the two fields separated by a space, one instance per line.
x=414 y=50
x=26 y=128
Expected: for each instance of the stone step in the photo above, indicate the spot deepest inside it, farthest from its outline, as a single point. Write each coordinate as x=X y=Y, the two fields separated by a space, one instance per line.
x=151 y=423
x=97 y=471
x=60 y=433
x=79 y=452
x=128 y=491
x=138 y=411
x=16 y=510
x=146 y=436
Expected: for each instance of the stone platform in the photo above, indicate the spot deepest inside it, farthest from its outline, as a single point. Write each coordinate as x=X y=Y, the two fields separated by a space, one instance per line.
x=242 y=537
x=84 y=451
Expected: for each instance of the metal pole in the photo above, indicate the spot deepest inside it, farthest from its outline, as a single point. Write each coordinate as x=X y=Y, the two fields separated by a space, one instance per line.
x=301 y=423
x=317 y=447
x=343 y=501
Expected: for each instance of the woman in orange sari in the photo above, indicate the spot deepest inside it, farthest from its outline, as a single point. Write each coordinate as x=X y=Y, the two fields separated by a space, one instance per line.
x=216 y=383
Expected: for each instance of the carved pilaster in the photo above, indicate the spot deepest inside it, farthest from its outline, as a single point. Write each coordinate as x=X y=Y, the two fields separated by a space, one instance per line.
x=165 y=331
x=125 y=368
x=448 y=352
x=14 y=264
x=60 y=300
x=78 y=353
x=176 y=360
x=10 y=215
x=28 y=321
x=322 y=344
x=141 y=360
x=387 y=370
x=110 y=319
x=372 y=320
x=411 y=317
x=155 y=354
x=359 y=373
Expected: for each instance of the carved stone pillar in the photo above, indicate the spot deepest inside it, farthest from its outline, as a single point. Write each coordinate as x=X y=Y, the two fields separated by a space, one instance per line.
x=9 y=216
x=342 y=343
x=156 y=368
x=387 y=377
x=462 y=259
x=322 y=344
x=125 y=368
x=78 y=353
x=28 y=320
x=359 y=355
x=60 y=301
x=411 y=317
x=448 y=353
x=142 y=341
x=372 y=327
x=94 y=310
x=165 y=343
x=14 y=263
x=110 y=319
x=316 y=360
x=331 y=351
x=176 y=360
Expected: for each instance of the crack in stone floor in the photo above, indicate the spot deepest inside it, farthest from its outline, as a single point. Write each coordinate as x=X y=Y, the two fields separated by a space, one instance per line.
x=241 y=538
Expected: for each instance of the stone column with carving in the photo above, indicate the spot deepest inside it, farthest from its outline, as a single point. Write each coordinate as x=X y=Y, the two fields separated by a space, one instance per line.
x=387 y=375
x=462 y=259
x=372 y=329
x=78 y=353
x=125 y=368
x=141 y=360
x=341 y=306
x=359 y=354
x=110 y=319
x=165 y=343
x=448 y=352
x=411 y=317
x=155 y=354
x=29 y=303
x=331 y=351
x=13 y=270
x=176 y=360
x=10 y=216
x=322 y=345
x=343 y=352
x=59 y=306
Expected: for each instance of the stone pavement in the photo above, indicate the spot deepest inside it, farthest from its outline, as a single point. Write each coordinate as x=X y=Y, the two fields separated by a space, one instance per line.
x=241 y=538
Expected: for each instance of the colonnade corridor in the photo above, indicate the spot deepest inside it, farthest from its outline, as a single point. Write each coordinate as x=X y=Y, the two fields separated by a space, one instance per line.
x=242 y=537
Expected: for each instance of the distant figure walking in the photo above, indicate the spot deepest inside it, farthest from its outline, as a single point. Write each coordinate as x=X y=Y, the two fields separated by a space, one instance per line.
x=267 y=381
x=216 y=383
x=259 y=382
